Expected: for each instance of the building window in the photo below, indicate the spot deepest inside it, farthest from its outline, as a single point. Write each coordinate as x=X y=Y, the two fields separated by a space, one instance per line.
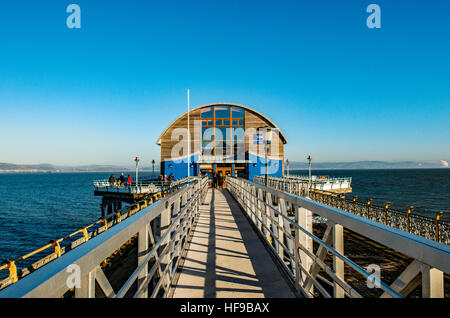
x=222 y=111
x=237 y=112
x=238 y=133
x=207 y=112
x=223 y=131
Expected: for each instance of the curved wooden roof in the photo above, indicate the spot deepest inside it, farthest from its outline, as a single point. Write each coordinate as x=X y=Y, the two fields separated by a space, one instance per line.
x=282 y=136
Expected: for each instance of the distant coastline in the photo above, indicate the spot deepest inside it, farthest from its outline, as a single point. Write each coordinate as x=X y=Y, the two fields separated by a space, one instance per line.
x=293 y=165
x=48 y=168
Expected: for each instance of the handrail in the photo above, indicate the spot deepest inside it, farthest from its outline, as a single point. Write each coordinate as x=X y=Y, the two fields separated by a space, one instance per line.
x=268 y=209
x=51 y=280
x=407 y=218
x=72 y=242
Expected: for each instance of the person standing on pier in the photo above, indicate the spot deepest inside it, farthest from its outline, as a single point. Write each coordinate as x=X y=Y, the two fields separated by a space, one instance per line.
x=214 y=180
x=129 y=180
x=121 y=179
x=112 y=180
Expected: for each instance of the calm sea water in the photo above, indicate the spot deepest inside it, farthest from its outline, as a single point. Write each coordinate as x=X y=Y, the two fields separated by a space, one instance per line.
x=426 y=189
x=38 y=207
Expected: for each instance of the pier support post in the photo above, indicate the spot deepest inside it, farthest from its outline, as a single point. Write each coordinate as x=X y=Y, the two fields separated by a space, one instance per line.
x=103 y=208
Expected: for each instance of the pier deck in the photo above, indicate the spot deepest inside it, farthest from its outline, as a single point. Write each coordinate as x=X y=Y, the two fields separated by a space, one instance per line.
x=226 y=258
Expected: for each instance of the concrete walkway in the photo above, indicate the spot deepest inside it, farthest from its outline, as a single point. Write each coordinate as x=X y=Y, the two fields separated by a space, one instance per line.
x=226 y=259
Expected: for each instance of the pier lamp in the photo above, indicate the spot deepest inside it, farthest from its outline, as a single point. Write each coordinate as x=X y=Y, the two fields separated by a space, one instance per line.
x=153 y=164
x=287 y=167
x=267 y=141
x=309 y=164
x=137 y=162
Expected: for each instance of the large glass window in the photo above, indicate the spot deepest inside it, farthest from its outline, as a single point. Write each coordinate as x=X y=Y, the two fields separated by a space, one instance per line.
x=207 y=133
x=237 y=112
x=239 y=150
x=223 y=131
x=238 y=133
x=207 y=112
x=222 y=111
x=208 y=148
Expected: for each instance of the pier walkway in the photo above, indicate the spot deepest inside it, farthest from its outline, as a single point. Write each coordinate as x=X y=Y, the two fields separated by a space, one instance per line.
x=246 y=240
x=226 y=258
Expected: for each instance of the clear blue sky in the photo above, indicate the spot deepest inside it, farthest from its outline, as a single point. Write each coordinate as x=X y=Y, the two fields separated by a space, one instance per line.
x=339 y=91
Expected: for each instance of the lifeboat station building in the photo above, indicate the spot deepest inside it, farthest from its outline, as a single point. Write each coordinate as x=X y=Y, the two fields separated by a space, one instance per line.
x=230 y=139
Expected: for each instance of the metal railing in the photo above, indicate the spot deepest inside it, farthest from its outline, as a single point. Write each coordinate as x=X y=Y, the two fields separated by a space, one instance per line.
x=142 y=187
x=162 y=230
x=317 y=182
x=292 y=238
x=409 y=219
x=57 y=248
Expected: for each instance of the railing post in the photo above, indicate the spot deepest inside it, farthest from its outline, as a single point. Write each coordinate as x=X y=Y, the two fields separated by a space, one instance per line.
x=260 y=206
x=165 y=224
x=368 y=208
x=354 y=205
x=386 y=210
x=303 y=218
x=338 y=264
x=87 y=286
x=437 y=234
x=432 y=282
x=266 y=215
x=408 y=219
x=143 y=249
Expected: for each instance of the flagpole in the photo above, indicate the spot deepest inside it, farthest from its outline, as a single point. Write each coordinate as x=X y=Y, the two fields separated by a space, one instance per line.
x=188 y=138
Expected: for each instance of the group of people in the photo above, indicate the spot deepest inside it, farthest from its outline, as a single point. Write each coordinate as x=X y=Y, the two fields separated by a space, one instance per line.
x=120 y=180
x=218 y=180
x=165 y=178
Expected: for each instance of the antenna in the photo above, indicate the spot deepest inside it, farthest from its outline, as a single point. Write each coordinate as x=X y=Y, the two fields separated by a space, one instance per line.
x=188 y=138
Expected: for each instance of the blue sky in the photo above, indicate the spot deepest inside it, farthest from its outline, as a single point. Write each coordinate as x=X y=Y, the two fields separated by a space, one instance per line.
x=340 y=91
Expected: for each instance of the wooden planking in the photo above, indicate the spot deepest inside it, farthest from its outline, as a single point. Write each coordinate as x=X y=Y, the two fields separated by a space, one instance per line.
x=166 y=140
x=226 y=258
x=254 y=121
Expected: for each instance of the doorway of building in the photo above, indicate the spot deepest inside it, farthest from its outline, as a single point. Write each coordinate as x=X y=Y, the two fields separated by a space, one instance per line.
x=224 y=171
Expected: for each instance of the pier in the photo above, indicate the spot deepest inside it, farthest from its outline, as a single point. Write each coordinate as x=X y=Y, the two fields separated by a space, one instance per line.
x=250 y=231
x=245 y=240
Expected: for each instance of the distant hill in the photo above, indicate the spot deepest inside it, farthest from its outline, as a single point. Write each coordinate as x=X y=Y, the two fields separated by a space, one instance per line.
x=370 y=165
x=45 y=167
x=10 y=167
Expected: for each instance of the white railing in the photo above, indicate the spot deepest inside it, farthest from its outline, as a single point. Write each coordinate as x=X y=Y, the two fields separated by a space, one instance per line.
x=142 y=187
x=285 y=221
x=162 y=233
x=300 y=182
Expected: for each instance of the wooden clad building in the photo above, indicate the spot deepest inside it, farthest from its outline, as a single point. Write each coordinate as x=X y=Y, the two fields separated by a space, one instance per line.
x=227 y=138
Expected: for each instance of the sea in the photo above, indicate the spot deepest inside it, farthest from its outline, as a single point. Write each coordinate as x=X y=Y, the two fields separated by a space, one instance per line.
x=38 y=207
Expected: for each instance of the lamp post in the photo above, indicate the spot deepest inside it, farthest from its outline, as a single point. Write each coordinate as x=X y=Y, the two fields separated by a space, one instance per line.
x=153 y=164
x=287 y=167
x=267 y=142
x=266 y=178
x=137 y=162
x=309 y=182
